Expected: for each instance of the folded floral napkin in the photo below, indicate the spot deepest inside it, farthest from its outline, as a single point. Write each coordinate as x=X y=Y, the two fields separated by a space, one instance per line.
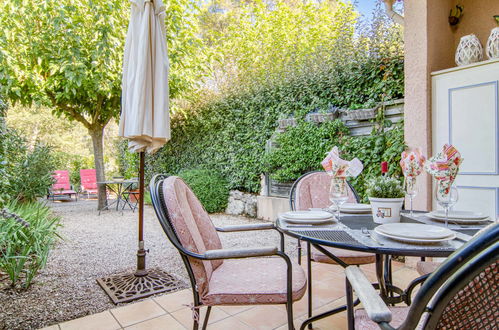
x=337 y=167
x=444 y=166
x=412 y=162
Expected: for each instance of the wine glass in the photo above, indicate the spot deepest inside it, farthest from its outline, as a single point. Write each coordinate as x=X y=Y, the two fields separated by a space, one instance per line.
x=446 y=198
x=410 y=190
x=338 y=193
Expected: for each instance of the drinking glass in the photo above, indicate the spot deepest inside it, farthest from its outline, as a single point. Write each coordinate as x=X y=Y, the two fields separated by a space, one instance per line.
x=410 y=190
x=338 y=194
x=446 y=198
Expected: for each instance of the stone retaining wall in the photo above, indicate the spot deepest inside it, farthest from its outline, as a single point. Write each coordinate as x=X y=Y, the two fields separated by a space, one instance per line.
x=242 y=204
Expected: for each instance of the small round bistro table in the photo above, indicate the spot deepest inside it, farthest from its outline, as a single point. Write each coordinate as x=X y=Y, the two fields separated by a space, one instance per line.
x=355 y=232
x=118 y=187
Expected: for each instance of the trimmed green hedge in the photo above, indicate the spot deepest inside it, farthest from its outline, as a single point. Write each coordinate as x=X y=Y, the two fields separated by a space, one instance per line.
x=229 y=135
x=209 y=187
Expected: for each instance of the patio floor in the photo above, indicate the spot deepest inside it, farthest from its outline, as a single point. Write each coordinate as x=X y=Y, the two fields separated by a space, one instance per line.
x=171 y=311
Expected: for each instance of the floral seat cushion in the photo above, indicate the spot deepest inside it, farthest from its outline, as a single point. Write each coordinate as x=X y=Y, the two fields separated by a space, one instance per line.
x=193 y=227
x=253 y=281
x=349 y=257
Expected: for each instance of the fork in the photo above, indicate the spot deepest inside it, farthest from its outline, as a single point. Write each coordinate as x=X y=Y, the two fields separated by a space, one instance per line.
x=366 y=232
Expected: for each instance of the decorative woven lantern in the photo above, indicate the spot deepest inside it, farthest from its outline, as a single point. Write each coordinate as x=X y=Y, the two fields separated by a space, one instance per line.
x=469 y=50
x=493 y=44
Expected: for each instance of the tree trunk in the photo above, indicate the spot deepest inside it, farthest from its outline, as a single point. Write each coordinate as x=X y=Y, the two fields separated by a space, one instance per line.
x=97 y=135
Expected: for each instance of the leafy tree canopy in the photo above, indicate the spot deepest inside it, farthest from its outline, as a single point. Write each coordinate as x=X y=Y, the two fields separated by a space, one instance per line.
x=67 y=55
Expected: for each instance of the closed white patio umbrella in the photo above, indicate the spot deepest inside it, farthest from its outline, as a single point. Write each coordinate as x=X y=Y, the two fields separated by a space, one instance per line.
x=145 y=122
x=144 y=116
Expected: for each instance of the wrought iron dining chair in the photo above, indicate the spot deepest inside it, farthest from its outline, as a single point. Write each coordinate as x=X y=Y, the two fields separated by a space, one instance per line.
x=462 y=293
x=247 y=276
x=311 y=190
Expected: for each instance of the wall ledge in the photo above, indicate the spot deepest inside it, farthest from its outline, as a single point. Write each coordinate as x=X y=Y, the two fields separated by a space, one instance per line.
x=464 y=67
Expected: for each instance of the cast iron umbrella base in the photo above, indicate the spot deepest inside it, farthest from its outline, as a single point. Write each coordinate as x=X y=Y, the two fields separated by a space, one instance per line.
x=128 y=287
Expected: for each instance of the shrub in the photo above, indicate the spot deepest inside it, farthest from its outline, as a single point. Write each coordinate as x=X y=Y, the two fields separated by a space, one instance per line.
x=28 y=169
x=210 y=188
x=303 y=147
x=385 y=187
x=28 y=231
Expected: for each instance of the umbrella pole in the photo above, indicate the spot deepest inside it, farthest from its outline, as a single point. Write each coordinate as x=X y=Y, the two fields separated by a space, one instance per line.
x=141 y=252
x=143 y=283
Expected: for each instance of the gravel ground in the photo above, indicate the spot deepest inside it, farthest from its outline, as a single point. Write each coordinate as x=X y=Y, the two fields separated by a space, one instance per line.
x=94 y=246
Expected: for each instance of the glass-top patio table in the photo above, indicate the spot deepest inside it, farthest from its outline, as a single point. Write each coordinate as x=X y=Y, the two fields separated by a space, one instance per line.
x=351 y=234
x=118 y=187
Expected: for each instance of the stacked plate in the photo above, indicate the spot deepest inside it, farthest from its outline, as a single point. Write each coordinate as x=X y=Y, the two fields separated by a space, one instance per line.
x=415 y=233
x=307 y=217
x=463 y=217
x=355 y=208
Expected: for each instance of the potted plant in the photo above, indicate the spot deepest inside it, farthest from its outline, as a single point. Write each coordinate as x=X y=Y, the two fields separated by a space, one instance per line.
x=386 y=196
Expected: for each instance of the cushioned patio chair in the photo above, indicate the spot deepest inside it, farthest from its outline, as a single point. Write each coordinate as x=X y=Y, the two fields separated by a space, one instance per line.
x=62 y=185
x=218 y=276
x=311 y=190
x=462 y=293
x=88 y=180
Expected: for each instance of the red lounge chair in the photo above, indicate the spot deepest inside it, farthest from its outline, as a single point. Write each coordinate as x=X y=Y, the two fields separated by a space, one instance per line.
x=88 y=179
x=62 y=186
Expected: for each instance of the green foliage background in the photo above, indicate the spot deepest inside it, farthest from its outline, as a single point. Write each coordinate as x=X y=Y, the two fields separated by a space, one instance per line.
x=25 y=240
x=26 y=170
x=301 y=149
x=266 y=66
x=209 y=187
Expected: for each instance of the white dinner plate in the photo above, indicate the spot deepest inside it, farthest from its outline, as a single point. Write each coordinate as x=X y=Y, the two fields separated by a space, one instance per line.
x=415 y=231
x=415 y=240
x=310 y=222
x=355 y=208
x=307 y=215
x=459 y=221
x=460 y=215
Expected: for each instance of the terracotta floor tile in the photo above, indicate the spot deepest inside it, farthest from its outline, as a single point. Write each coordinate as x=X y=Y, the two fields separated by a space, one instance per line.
x=327 y=290
x=326 y=271
x=397 y=265
x=263 y=317
x=297 y=323
x=184 y=316
x=175 y=301
x=232 y=310
x=230 y=323
x=334 y=322
x=138 y=312
x=404 y=276
x=337 y=321
x=165 y=322
x=300 y=307
x=101 y=321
